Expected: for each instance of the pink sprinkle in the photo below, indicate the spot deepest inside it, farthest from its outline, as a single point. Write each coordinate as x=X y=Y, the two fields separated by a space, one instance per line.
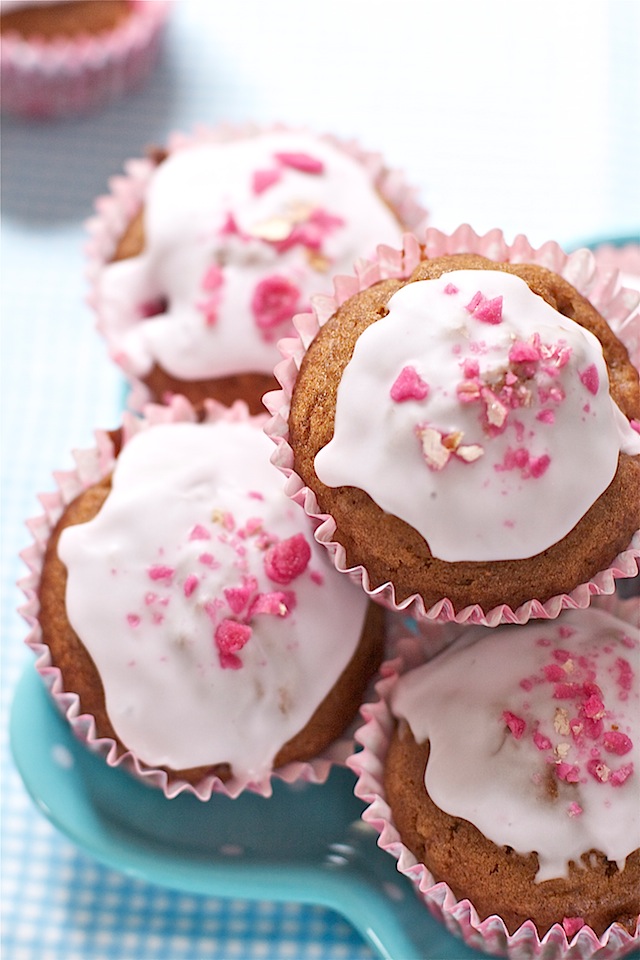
x=263 y=179
x=567 y=691
x=565 y=633
x=616 y=742
x=574 y=809
x=592 y=728
x=516 y=724
x=598 y=770
x=619 y=776
x=133 y=619
x=159 y=572
x=238 y=597
x=213 y=278
x=275 y=300
x=490 y=311
x=522 y=352
x=554 y=672
x=475 y=302
x=230 y=226
x=451 y=289
x=301 y=161
x=230 y=637
x=199 y=533
x=539 y=465
x=409 y=386
x=255 y=495
x=287 y=559
x=541 y=742
x=190 y=584
x=277 y=604
x=572 y=925
x=593 y=707
x=471 y=368
x=546 y=416
x=207 y=560
x=317 y=577
x=590 y=379
x=568 y=772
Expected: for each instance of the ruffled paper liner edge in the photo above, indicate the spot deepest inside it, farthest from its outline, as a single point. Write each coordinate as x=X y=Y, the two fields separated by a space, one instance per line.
x=459 y=916
x=615 y=303
x=62 y=77
x=115 y=210
x=91 y=465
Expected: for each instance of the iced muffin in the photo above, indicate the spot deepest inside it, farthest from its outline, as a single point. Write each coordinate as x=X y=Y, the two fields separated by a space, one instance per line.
x=471 y=431
x=185 y=602
x=512 y=771
x=205 y=253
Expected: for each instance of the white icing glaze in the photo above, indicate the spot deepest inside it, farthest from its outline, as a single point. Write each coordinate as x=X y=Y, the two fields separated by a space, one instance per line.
x=323 y=220
x=528 y=467
x=479 y=770
x=204 y=501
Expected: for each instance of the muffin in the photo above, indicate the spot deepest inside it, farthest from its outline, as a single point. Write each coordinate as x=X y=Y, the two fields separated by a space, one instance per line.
x=184 y=603
x=202 y=255
x=467 y=427
x=73 y=56
x=509 y=774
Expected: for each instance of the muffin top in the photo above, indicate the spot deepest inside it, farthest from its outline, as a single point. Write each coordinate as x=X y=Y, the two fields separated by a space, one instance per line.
x=215 y=621
x=237 y=237
x=533 y=735
x=479 y=414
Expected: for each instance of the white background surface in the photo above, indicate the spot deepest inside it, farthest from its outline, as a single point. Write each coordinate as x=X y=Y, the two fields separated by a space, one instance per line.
x=520 y=115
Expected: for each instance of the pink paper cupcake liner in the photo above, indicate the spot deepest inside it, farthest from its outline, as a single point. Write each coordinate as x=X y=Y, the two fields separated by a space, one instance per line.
x=91 y=466
x=620 y=265
x=459 y=916
x=65 y=77
x=115 y=210
x=615 y=303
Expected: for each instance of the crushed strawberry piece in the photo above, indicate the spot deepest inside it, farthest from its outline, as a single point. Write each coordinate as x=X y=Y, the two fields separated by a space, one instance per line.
x=541 y=742
x=515 y=724
x=489 y=311
x=568 y=772
x=539 y=465
x=199 y=533
x=303 y=162
x=190 y=584
x=590 y=379
x=451 y=289
x=133 y=619
x=160 y=572
x=287 y=559
x=409 y=385
x=275 y=300
x=230 y=637
x=617 y=742
x=574 y=809
x=598 y=770
x=622 y=774
x=522 y=352
x=213 y=278
x=263 y=179
x=280 y=603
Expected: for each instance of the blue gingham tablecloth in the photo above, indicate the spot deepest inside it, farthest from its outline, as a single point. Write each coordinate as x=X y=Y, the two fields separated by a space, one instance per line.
x=495 y=124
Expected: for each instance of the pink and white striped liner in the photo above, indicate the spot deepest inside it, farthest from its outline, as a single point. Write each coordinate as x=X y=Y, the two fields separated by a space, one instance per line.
x=617 y=304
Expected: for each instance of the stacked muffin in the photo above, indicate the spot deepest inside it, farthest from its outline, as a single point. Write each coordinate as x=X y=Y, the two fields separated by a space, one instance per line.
x=459 y=423
x=464 y=426
x=186 y=620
